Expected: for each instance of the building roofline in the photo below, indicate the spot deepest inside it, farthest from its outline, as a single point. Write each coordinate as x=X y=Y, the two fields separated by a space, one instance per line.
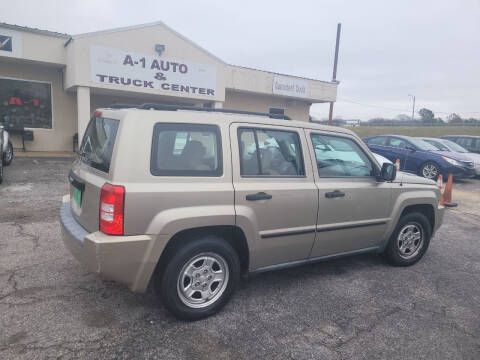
x=282 y=74
x=141 y=26
x=33 y=30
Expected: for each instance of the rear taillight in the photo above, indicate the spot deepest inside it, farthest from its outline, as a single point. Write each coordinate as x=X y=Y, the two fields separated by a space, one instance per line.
x=112 y=200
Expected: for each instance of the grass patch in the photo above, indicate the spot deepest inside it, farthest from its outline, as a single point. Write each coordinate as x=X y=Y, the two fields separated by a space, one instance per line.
x=425 y=131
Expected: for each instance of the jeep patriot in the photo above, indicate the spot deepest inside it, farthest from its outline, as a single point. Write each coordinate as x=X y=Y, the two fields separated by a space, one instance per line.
x=189 y=199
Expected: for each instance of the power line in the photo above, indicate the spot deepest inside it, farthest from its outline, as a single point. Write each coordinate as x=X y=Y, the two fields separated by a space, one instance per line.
x=401 y=110
x=371 y=105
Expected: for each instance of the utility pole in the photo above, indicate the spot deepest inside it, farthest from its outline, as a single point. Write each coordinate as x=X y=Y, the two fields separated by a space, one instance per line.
x=413 y=108
x=334 y=77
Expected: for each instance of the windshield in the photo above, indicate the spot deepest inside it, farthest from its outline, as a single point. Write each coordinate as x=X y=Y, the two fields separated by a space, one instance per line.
x=454 y=146
x=437 y=144
x=422 y=145
x=97 y=145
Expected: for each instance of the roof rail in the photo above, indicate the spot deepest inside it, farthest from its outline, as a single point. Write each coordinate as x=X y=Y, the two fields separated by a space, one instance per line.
x=166 y=107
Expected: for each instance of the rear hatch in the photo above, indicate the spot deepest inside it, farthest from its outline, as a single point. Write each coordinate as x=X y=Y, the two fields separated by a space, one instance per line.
x=91 y=170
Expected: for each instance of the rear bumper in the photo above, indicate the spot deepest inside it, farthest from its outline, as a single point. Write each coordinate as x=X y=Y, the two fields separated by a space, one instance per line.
x=126 y=259
x=438 y=218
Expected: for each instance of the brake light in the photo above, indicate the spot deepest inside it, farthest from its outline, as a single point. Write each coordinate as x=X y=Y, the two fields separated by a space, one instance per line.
x=97 y=114
x=112 y=199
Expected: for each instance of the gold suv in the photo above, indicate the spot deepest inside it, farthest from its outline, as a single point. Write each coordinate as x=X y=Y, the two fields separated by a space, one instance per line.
x=190 y=198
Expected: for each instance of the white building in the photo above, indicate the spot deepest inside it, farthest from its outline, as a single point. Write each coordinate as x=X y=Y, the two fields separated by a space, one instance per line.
x=50 y=82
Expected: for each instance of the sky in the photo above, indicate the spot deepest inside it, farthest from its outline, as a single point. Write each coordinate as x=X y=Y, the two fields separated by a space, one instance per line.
x=388 y=49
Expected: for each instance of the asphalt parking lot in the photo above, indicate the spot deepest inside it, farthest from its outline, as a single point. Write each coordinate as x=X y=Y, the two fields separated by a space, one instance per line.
x=354 y=308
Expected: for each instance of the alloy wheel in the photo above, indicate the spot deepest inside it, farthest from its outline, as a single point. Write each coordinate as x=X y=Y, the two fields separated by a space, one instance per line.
x=430 y=171
x=410 y=240
x=8 y=154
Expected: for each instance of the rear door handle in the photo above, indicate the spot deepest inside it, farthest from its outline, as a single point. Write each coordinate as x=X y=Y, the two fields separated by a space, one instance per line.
x=258 y=196
x=334 y=194
x=76 y=181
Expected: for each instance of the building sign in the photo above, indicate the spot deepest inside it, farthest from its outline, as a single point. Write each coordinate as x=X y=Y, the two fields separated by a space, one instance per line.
x=10 y=43
x=5 y=43
x=289 y=87
x=151 y=72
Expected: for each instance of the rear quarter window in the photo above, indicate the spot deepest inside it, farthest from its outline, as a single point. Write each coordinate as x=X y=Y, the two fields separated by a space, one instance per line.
x=97 y=145
x=186 y=150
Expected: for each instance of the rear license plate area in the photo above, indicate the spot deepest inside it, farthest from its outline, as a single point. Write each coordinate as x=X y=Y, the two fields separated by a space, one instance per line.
x=77 y=196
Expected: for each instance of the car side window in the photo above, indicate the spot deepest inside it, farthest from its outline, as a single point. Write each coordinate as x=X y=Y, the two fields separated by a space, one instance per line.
x=398 y=143
x=465 y=142
x=477 y=144
x=265 y=152
x=186 y=150
x=381 y=140
x=340 y=157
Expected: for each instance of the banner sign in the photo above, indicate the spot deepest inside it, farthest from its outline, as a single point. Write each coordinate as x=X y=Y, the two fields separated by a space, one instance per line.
x=128 y=69
x=10 y=43
x=5 y=43
x=290 y=87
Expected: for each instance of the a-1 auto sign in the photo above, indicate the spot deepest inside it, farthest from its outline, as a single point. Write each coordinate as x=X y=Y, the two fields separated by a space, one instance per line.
x=128 y=69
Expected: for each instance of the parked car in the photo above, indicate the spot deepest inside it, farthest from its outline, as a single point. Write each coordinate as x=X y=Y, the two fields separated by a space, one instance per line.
x=381 y=159
x=471 y=143
x=7 y=149
x=1 y=153
x=447 y=145
x=202 y=202
x=421 y=158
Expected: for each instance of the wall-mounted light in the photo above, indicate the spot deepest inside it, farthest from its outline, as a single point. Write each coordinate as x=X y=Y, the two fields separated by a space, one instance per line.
x=159 y=48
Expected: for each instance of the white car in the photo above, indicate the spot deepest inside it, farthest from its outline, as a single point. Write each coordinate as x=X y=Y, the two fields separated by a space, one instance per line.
x=7 y=148
x=1 y=153
x=381 y=159
x=447 y=145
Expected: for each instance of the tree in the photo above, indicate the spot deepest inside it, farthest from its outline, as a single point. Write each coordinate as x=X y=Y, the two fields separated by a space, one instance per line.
x=454 y=119
x=403 y=117
x=472 y=121
x=426 y=115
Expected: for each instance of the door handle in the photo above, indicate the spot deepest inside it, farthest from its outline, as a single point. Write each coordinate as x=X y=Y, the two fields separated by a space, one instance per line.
x=76 y=181
x=334 y=194
x=258 y=196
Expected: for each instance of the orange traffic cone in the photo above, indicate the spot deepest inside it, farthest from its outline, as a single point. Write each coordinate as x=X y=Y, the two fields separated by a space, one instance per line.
x=397 y=164
x=447 y=198
x=441 y=187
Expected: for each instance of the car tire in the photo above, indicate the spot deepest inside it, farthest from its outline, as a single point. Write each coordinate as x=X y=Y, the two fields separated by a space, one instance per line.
x=190 y=285
x=8 y=155
x=430 y=170
x=402 y=248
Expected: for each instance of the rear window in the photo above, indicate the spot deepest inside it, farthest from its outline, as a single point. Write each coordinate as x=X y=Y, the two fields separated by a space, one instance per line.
x=186 y=150
x=97 y=145
x=265 y=152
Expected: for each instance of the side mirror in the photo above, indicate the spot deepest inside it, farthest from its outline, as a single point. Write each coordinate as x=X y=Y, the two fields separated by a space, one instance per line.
x=388 y=172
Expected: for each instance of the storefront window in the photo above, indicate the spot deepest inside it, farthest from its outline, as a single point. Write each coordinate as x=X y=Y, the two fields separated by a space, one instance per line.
x=26 y=103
